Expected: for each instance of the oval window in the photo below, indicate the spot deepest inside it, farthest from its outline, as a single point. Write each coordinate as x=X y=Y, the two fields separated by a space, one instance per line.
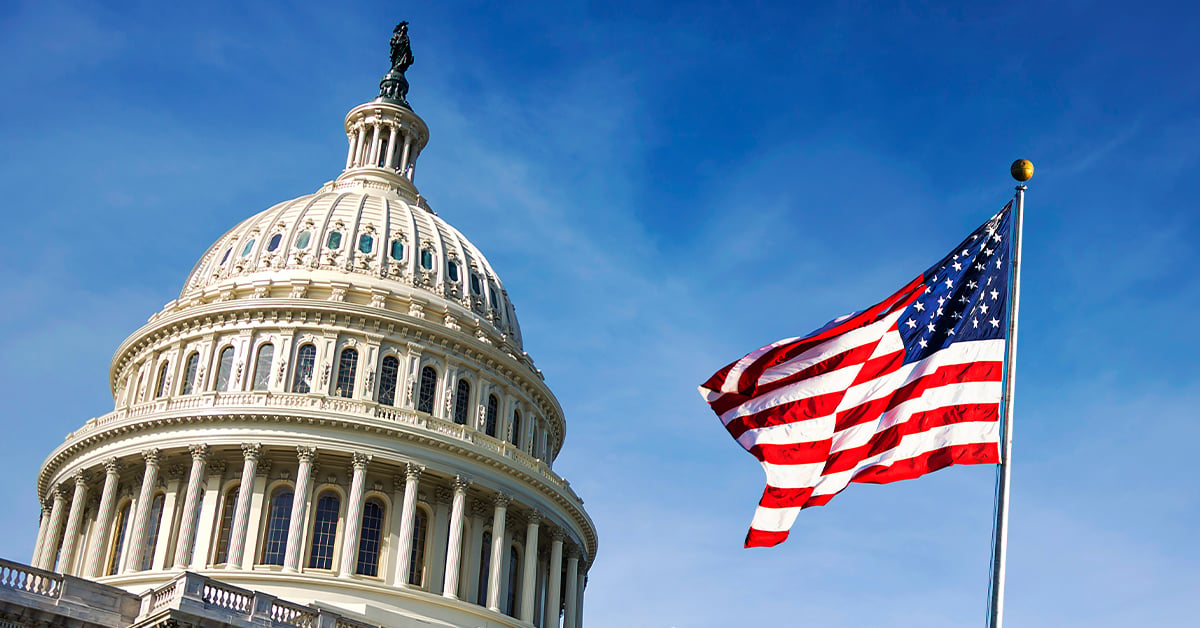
x=452 y=270
x=302 y=240
x=225 y=257
x=475 y=286
x=246 y=249
x=366 y=243
x=274 y=243
x=335 y=240
x=426 y=259
x=397 y=250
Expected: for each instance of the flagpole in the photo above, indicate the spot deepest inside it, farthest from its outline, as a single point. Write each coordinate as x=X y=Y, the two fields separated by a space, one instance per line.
x=1022 y=171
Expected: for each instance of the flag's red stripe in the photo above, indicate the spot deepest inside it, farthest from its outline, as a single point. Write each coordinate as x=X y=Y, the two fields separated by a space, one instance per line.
x=850 y=357
x=973 y=453
x=790 y=412
x=942 y=376
x=916 y=423
x=793 y=453
x=778 y=497
x=765 y=538
x=747 y=382
x=879 y=366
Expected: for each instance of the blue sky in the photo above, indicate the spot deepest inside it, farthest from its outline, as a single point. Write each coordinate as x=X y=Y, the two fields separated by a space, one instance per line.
x=663 y=189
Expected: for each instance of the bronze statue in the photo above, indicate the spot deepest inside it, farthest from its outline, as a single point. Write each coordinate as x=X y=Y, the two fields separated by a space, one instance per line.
x=394 y=86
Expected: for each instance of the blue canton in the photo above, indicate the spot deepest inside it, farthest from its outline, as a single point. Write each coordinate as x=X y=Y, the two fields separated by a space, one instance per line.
x=965 y=295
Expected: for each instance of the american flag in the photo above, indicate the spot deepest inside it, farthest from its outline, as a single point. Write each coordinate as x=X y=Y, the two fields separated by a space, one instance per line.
x=908 y=386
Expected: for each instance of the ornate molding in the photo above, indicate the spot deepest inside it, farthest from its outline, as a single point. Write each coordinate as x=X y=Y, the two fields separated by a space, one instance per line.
x=199 y=452
x=306 y=454
x=151 y=456
x=251 y=451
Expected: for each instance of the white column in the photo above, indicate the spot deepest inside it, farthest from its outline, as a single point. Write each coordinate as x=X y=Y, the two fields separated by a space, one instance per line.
x=158 y=558
x=373 y=152
x=579 y=598
x=291 y=556
x=74 y=519
x=358 y=490
x=208 y=514
x=571 y=618
x=553 y=595
x=251 y=452
x=454 y=544
x=407 y=517
x=358 y=146
x=404 y=153
x=43 y=524
x=93 y=561
x=349 y=153
x=498 y=553
x=136 y=538
x=191 y=506
x=58 y=510
x=529 y=572
x=439 y=530
x=391 y=149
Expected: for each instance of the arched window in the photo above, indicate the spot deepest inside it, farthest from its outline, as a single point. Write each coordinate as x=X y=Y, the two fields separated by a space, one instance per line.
x=416 y=559
x=387 y=380
x=279 y=518
x=514 y=430
x=428 y=389
x=485 y=567
x=118 y=539
x=347 y=366
x=262 y=366
x=368 y=543
x=493 y=407
x=223 y=532
x=305 y=357
x=325 y=522
x=160 y=386
x=151 y=543
x=462 y=402
x=189 y=373
x=514 y=573
x=224 y=369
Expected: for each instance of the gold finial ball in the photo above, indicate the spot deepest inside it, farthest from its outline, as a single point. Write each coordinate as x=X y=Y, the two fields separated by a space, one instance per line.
x=1022 y=170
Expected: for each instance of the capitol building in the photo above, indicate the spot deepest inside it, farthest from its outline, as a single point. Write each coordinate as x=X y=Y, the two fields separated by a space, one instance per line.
x=334 y=424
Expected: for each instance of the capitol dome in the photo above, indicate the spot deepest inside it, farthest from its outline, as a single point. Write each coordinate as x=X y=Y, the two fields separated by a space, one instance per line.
x=336 y=413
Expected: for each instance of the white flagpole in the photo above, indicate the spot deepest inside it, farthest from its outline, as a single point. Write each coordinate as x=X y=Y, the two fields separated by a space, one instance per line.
x=1022 y=171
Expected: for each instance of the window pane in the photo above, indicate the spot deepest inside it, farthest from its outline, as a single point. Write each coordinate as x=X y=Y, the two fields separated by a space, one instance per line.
x=462 y=401
x=387 y=380
x=335 y=240
x=114 y=561
x=302 y=240
x=224 y=368
x=304 y=368
x=493 y=407
x=426 y=259
x=189 y=373
x=325 y=523
x=278 y=521
x=452 y=270
x=514 y=431
x=368 y=543
x=274 y=242
x=246 y=249
x=346 y=368
x=428 y=390
x=223 y=532
x=262 y=366
x=366 y=243
x=514 y=566
x=156 y=508
x=485 y=567
x=397 y=250
x=416 y=562
x=225 y=257
x=160 y=387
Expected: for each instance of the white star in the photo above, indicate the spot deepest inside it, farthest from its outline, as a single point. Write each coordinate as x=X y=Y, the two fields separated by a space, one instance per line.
x=918 y=306
x=997 y=262
x=996 y=237
x=975 y=322
x=931 y=328
x=911 y=323
x=987 y=251
x=957 y=265
x=994 y=293
x=941 y=300
x=983 y=307
x=963 y=299
x=951 y=332
x=939 y=312
x=965 y=253
x=956 y=314
x=980 y=267
x=973 y=284
x=994 y=322
x=929 y=289
x=949 y=283
x=923 y=344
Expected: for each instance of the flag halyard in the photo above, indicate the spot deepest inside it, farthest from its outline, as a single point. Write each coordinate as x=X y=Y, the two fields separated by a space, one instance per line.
x=905 y=387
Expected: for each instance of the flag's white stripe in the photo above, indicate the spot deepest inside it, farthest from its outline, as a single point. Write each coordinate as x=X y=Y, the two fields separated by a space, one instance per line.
x=735 y=373
x=793 y=475
x=809 y=431
x=774 y=519
x=831 y=382
x=948 y=395
x=828 y=349
x=957 y=353
x=914 y=445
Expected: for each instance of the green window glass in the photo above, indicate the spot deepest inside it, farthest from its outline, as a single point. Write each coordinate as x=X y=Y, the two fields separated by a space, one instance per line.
x=397 y=250
x=246 y=249
x=426 y=259
x=302 y=240
x=366 y=243
x=452 y=270
x=334 y=241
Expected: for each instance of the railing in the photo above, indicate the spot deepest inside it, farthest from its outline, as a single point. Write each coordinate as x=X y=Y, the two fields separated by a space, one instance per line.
x=342 y=406
x=227 y=597
x=163 y=596
x=30 y=580
x=293 y=614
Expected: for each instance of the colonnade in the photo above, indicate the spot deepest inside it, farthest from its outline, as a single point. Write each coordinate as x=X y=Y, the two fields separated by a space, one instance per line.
x=370 y=148
x=432 y=536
